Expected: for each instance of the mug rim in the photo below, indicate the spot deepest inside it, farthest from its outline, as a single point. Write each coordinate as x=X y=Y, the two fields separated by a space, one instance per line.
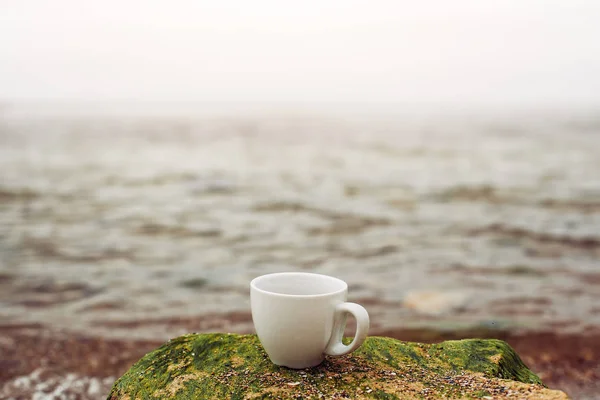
x=256 y=280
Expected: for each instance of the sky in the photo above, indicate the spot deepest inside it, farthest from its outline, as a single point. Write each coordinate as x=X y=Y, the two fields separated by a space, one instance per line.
x=431 y=51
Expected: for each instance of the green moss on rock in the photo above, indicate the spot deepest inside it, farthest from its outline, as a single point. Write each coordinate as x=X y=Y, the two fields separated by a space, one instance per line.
x=227 y=366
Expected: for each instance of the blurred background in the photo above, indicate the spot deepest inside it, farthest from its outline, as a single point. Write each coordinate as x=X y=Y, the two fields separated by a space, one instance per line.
x=441 y=157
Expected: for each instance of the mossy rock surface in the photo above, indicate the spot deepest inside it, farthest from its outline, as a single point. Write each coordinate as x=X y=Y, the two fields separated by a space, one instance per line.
x=228 y=366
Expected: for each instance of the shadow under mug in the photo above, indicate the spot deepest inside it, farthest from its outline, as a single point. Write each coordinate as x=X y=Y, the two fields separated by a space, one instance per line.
x=300 y=317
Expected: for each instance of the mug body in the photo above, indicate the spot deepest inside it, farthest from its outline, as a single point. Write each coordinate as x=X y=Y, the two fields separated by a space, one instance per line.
x=293 y=314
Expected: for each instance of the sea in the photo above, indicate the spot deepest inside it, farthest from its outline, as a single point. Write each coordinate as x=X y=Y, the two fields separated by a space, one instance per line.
x=148 y=225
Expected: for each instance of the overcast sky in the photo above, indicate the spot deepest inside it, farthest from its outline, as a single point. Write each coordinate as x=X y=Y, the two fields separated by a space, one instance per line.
x=494 y=51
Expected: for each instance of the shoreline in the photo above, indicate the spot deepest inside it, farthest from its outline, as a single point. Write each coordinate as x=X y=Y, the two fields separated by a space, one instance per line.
x=565 y=361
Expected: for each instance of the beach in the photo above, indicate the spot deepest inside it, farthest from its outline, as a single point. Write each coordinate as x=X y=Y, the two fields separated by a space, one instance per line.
x=120 y=233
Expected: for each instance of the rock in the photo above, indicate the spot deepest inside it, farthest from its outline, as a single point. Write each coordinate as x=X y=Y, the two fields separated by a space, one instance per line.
x=228 y=366
x=435 y=303
x=212 y=185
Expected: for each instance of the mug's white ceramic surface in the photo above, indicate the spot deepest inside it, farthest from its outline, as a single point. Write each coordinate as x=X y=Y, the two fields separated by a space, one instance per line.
x=299 y=317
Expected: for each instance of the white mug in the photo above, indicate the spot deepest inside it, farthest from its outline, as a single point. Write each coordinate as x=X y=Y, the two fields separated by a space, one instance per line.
x=299 y=317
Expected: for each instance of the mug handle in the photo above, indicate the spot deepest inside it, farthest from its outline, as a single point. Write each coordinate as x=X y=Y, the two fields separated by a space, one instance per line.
x=335 y=347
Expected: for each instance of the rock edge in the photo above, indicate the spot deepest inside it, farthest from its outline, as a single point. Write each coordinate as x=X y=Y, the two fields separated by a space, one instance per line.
x=219 y=366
